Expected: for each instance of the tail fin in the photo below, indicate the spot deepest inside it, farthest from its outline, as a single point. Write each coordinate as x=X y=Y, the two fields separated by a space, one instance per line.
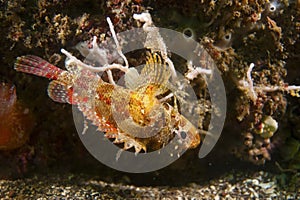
x=35 y=65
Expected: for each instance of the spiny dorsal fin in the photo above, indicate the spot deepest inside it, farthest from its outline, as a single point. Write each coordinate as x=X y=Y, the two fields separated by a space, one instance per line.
x=156 y=71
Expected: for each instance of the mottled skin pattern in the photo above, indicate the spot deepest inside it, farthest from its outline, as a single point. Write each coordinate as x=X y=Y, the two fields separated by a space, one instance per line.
x=94 y=99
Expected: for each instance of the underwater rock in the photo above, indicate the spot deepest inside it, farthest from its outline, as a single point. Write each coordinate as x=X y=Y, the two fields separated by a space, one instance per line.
x=16 y=122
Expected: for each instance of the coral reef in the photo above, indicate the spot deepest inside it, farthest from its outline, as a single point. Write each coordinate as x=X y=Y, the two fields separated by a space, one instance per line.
x=254 y=43
x=235 y=32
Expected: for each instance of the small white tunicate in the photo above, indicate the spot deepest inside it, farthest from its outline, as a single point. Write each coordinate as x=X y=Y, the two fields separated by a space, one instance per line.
x=227 y=37
x=273 y=6
x=188 y=33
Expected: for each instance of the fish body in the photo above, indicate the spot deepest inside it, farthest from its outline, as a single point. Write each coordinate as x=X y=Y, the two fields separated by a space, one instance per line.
x=132 y=115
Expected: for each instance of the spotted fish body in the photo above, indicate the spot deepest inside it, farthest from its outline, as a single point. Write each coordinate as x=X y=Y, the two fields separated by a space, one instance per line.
x=122 y=113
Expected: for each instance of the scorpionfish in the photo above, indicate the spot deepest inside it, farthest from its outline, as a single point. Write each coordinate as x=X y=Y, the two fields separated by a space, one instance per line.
x=132 y=116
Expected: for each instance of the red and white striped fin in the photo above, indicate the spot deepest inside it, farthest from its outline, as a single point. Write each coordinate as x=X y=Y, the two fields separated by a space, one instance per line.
x=60 y=92
x=35 y=65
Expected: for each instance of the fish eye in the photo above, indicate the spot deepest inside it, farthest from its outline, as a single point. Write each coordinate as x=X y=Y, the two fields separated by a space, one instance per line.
x=183 y=134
